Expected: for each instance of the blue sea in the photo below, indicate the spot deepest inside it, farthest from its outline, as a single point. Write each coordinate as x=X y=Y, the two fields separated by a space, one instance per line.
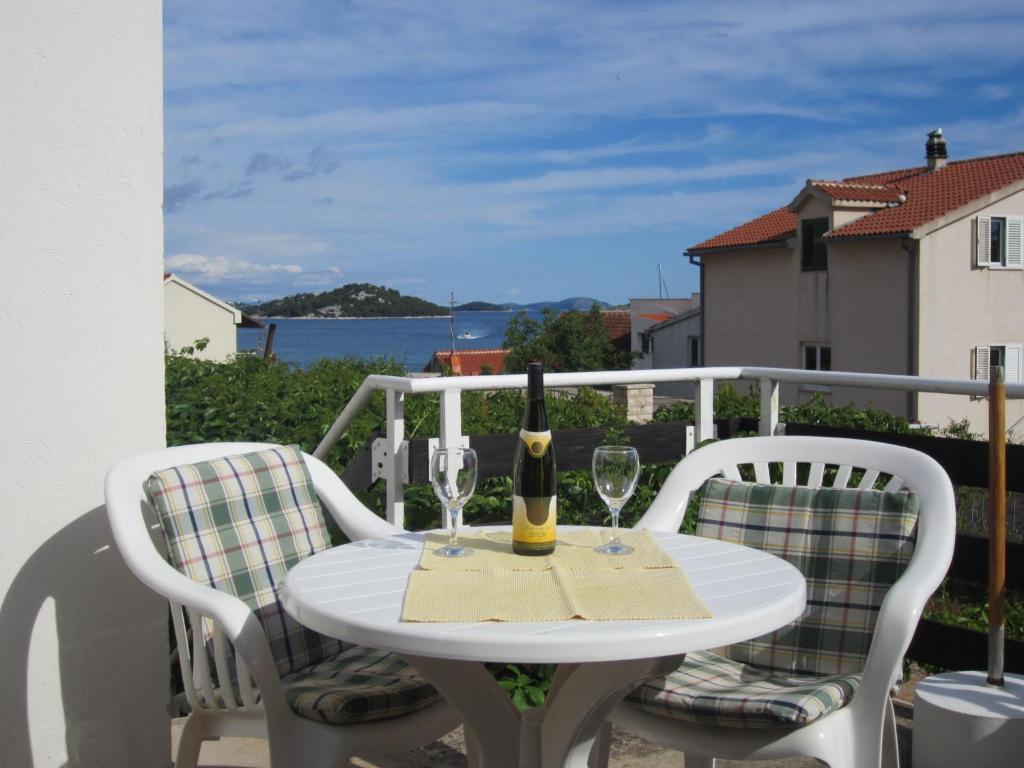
x=409 y=340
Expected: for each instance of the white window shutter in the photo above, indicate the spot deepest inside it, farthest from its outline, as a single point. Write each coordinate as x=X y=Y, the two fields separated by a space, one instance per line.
x=981 y=363
x=1013 y=363
x=1014 y=245
x=983 y=243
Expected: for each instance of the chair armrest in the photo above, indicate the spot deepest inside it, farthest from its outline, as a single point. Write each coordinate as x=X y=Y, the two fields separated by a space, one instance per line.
x=905 y=601
x=352 y=516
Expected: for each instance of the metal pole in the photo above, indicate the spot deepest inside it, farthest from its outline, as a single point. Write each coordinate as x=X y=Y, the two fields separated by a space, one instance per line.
x=268 y=349
x=996 y=524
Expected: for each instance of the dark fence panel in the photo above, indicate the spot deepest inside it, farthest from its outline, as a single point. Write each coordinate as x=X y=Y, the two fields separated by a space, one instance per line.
x=970 y=561
x=966 y=461
x=952 y=647
x=658 y=443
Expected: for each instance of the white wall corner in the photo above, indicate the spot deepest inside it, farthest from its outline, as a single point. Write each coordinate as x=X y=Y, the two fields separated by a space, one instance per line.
x=83 y=646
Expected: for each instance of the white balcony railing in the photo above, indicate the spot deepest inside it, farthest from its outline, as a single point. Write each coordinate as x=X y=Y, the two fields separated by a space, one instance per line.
x=391 y=455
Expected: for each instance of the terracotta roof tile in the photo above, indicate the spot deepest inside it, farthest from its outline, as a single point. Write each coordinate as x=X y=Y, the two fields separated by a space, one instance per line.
x=616 y=324
x=772 y=227
x=930 y=195
x=887 y=177
x=859 y=193
x=470 y=362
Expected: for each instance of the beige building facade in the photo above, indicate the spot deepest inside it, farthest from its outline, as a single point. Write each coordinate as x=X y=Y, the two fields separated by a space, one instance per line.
x=644 y=314
x=191 y=314
x=822 y=285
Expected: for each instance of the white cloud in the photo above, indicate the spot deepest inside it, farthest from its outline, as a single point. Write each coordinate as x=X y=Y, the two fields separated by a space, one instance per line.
x=216 y=269
x=448 y=130
x=995 y=91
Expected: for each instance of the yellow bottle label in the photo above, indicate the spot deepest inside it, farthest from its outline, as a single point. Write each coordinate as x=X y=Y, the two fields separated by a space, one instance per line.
x=533 y=519
x=536 y=442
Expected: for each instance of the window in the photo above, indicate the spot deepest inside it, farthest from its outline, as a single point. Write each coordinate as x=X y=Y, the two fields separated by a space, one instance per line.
x=693 y=351
x=999 y=242
x=817 y=357
x=989 y=356
x=814 y=252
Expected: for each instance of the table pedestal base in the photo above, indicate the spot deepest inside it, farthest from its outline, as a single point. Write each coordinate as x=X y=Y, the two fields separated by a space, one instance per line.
x=559 y=734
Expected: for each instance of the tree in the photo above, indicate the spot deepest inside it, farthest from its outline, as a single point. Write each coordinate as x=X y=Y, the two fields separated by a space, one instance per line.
x=567 y=341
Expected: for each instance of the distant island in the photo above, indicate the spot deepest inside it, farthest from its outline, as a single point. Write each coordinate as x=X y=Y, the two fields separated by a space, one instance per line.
x=577 y=303
x=368 y=300
x=352 y=300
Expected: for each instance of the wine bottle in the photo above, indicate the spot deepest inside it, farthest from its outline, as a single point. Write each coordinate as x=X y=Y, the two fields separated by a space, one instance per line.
x=534 y=503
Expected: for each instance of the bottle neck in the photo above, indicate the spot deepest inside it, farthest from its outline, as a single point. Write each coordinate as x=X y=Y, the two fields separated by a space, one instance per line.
x=535 y=383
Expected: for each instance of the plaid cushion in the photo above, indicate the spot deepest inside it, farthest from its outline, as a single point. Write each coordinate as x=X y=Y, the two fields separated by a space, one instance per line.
x=712 y=690
x=851 y=545
x=356 y=686
x=238 y=524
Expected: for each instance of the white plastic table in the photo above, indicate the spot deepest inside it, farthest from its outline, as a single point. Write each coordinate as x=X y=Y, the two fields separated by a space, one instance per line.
x=355 y=593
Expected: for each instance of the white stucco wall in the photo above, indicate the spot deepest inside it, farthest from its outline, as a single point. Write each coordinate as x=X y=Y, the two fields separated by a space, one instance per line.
x=671 y=349
x=189 y=316
x=962 y=307
x=82 y=644
x=638 y=323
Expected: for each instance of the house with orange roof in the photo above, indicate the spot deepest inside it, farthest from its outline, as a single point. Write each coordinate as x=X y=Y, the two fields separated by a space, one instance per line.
x=467 y=362
x=474 y=362
x=914 y=271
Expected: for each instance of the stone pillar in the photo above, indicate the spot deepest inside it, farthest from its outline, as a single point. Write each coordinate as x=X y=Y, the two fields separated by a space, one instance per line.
x=637 y=399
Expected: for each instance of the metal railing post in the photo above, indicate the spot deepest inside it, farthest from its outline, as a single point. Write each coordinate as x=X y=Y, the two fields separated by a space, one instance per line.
x=769 y=423
x=704 y=410
x=396 y=458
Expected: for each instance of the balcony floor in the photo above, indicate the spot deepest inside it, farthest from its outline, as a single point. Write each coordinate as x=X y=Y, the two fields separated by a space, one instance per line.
x=627 y=750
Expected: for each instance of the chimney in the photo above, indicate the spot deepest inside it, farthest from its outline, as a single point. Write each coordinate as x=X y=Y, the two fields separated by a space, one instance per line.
x=935 y=150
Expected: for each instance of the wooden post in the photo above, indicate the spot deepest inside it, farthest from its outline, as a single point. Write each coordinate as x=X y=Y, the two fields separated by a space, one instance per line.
x=996 y=525
x=268 y=349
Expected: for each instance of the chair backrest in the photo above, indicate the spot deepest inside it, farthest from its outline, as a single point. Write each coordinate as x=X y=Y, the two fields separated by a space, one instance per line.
x=850 y=544
x=851 y=515
x=239 y=523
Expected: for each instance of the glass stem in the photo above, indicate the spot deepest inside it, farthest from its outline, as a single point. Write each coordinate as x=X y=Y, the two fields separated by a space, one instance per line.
x=453 y=526
x=615 y=523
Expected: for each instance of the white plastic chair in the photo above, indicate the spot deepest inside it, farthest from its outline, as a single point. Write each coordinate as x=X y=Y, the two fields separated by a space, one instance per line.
x=862 y=733
x=293 y=740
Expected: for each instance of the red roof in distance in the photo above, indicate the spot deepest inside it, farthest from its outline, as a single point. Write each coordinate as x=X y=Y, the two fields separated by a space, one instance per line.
x=617 y=326
x=471 y=362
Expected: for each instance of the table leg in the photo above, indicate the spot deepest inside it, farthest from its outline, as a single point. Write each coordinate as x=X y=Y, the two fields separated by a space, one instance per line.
x=562 y=733
x=490 y=720
x=583 y=698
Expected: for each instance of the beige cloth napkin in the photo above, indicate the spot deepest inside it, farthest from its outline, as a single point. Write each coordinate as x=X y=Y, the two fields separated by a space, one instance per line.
x=574 y=550
x=493 y=584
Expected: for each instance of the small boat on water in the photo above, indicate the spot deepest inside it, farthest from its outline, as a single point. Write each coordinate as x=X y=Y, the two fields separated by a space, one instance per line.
x=468 y=335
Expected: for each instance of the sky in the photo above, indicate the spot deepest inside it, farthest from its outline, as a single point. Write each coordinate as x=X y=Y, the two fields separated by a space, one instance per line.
x=535 y=150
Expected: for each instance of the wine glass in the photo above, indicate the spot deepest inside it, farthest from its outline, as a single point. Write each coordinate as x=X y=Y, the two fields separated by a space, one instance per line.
x=616 y=470
x=453 y=475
